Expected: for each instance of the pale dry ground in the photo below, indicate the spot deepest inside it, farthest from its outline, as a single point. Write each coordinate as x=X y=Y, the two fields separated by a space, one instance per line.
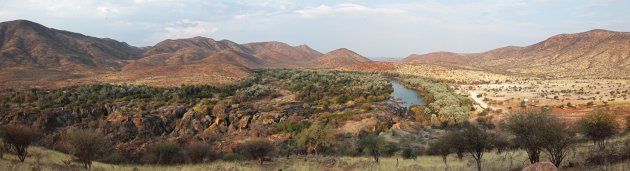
x=542 y=92
x=451 y=74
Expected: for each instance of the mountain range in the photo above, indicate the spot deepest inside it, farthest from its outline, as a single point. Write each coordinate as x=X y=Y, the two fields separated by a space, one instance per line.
x=596 y=53
x=33 y=55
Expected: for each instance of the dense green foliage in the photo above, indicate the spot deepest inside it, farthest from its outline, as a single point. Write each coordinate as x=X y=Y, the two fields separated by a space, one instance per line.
x=338 y=85
x=85 y=97
x=444 y=103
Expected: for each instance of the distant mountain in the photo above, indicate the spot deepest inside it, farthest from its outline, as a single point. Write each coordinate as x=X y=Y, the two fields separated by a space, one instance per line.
x=195 y=50
x=282 y=53
x=595 y=53
x=28 y=45
x=338 y=58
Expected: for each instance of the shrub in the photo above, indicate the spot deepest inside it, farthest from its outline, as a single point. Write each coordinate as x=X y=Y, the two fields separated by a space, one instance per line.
x=254 y=92
x=18 y=138
x=256 y=149
x=87 y=145
x=229 y=157
x=165 y=153
x=408 y=154
x=197 y=152
x=115 y=158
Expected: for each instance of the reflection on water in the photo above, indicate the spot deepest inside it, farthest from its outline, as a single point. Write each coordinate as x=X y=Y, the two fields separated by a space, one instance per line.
x=407 y=96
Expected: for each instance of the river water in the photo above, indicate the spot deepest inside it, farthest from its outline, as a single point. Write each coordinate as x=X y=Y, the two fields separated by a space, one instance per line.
x=405 y=95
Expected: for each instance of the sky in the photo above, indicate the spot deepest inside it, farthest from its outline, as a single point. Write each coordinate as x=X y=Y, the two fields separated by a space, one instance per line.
x=373 y=28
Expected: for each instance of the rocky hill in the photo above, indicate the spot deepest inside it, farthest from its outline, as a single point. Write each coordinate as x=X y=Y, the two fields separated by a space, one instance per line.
x=338 y=58
x=595 y=53
x=37 y=56
x=275 y=53
x=32 y=52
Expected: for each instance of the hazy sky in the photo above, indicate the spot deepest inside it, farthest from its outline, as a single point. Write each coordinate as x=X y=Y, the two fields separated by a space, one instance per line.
x=386 y=28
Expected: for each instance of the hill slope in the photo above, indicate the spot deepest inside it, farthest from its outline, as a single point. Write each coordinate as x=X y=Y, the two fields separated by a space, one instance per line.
x=338 y=58
x=34 y=55
x=596 y=53
x=25 y=44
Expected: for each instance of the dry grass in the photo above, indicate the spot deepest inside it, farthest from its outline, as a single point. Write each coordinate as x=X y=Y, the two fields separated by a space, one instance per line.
x=52 y=160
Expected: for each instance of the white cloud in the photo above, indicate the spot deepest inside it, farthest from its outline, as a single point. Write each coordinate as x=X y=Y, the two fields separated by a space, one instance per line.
x=406 y=26
x=347 y=8
x=187 y=28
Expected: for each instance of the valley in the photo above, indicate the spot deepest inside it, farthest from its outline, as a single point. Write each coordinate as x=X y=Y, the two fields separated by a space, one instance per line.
x=199 y=103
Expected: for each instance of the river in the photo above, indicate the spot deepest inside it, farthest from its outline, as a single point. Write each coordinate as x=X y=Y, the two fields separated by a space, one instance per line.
x=406 y=95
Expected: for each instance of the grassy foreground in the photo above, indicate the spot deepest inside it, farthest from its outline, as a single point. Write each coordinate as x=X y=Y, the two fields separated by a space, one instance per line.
x=50 y=160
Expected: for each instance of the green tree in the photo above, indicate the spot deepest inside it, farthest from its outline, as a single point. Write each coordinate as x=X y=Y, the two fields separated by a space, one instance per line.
x=474 y=141
x=444 y=146
x=318 y=135
x=559 y=139
x=599 y=125
x=377 y=146
x=529 y=129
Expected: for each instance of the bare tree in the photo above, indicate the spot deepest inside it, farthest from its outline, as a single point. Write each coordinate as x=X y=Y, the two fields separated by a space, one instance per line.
x=87 y=145
x=18 y=138
x=474 y=141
